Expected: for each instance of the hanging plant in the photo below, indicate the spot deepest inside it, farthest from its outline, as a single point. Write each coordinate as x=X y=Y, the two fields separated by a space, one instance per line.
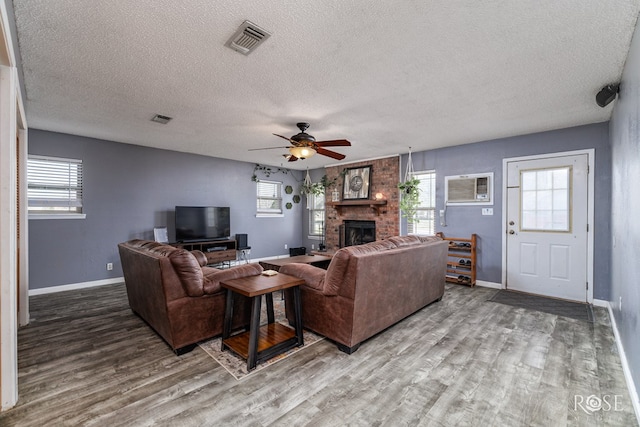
x=307 y=187
x=319 y=188
x=312 y=188
x=267 y=171
x=409 y=193
x=327 y=183
x=409 y=198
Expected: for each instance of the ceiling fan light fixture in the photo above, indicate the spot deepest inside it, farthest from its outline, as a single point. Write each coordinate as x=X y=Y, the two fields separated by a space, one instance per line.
x=302 y=152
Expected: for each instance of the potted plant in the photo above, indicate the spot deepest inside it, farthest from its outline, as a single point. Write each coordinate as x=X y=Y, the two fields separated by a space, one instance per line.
x=318 y=188
x=307 y=187
x=409 y=198
x=312 y=188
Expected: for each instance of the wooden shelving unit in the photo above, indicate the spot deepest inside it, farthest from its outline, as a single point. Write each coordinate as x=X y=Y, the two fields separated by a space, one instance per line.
x=376 y=205
x=461 y=261
x=216 y=251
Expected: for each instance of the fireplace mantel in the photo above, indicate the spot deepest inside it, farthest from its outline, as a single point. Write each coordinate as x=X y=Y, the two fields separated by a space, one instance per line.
x=373 y=204
x=384 y=174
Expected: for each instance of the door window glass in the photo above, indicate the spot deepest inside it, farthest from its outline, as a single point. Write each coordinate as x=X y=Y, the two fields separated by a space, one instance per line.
x=544 y=199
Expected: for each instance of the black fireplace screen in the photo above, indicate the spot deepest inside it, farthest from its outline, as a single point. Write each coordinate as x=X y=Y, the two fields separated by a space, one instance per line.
x=354 y=232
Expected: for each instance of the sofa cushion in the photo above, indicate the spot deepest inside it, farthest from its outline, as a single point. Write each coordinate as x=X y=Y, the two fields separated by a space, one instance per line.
x=380 y=245
x=401 y=241
x=160 y=249
x=213 y=278
x=339 y=271
x=313 y=276
x=427 y=239
x=189 y=271
x=201 y=257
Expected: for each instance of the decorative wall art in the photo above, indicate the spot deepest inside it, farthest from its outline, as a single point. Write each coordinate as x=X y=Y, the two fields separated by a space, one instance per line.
x=357 y=183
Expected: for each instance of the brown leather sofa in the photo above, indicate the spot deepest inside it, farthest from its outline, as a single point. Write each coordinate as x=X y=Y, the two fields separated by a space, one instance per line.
x=177 y=294
x=369 y=287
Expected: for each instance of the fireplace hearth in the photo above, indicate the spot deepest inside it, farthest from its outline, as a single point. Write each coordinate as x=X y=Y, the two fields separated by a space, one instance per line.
x=353 y=232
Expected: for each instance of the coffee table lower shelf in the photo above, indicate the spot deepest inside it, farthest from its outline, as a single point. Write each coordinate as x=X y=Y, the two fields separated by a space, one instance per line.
x=273 y=338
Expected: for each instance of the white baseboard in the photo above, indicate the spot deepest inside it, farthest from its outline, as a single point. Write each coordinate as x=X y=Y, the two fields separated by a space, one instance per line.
x=601 y=303
x=75 y=286
x=94 y=283
x=491 y=285
x=633 y=391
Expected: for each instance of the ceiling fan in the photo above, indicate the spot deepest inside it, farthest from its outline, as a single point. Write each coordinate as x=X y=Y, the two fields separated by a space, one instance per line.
x=304 y=145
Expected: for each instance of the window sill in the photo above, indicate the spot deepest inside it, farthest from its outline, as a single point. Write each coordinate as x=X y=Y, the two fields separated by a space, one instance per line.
x=57 y=216
x=266 y=215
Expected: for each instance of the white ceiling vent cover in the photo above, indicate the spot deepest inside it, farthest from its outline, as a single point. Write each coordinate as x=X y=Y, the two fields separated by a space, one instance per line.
x=248 y=37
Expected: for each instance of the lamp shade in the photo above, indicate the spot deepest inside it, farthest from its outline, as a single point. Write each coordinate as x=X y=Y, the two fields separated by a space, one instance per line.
x=302 y=152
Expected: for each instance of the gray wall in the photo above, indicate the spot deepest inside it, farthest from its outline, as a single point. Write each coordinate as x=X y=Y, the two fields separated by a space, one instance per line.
x=130 y=189
x=625 y=147
x=487 y=157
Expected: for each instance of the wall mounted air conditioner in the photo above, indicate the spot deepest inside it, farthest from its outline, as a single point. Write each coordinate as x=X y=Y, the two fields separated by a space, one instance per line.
x=473 y=189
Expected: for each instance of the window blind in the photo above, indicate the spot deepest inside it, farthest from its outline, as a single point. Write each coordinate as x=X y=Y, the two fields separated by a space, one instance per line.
x=269 y=197
x=425 y=212
x=54 y=185
x=315 y=204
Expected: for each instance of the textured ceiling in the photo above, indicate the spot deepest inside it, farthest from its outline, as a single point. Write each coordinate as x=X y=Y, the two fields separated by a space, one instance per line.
x=385 y=75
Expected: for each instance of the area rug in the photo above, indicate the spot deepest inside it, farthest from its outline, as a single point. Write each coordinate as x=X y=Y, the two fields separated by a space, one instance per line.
x=558 y=307
x=236 y=365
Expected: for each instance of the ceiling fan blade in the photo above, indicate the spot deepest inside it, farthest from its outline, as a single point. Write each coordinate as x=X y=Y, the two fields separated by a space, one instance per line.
x=292 y=158
x=334 y=143
x=330 y=153
x=266 y=148
x=288 y=139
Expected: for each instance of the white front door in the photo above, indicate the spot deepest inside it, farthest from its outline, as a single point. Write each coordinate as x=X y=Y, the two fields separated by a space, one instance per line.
x=547 y=211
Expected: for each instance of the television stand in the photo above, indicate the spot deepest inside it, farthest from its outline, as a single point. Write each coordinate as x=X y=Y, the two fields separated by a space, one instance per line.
x=216 y=251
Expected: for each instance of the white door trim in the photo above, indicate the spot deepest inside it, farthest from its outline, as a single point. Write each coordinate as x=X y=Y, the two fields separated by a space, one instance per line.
x=590 y=210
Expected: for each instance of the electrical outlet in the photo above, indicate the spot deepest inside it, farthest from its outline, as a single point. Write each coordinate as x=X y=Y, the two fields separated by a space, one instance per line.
x=313 y=246
x=620 y=304
x=286 y=246
x=109 y=266
x=487 y=211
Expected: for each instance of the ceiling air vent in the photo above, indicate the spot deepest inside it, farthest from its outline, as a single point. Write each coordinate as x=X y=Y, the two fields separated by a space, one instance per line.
x=248 y=37
x=159 y=118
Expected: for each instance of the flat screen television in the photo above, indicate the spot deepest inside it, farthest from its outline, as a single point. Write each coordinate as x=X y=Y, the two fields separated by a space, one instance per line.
x=197 y=223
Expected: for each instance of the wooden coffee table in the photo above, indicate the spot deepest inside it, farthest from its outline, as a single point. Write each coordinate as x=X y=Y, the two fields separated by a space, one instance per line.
x=262 y=343
x=276 y=263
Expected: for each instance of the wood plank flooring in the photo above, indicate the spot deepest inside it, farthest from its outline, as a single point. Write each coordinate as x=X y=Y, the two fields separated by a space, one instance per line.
x=85 y=359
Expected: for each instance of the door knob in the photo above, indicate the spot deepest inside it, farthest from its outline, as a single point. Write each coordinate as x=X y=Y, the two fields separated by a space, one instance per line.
x=512 y=232
x=511 y=223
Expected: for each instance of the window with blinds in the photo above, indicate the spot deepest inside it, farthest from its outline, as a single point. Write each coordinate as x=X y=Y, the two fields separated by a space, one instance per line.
x=269 y=198
x=54 y=185
x=315 y=204
x=425 y=212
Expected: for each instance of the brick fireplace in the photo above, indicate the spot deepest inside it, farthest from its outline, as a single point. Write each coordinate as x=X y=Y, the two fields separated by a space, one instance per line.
x=385 y=175
x=357 y=232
